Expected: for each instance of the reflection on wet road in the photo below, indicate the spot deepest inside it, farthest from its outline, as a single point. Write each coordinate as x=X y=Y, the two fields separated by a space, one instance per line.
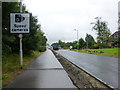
x=44 y=72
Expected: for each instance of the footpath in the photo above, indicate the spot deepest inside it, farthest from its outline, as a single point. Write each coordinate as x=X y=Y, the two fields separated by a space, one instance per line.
x=44 y=72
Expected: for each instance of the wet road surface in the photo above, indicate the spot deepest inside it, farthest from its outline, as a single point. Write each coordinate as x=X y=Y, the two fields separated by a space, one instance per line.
x=44 y=72
x=103 y=68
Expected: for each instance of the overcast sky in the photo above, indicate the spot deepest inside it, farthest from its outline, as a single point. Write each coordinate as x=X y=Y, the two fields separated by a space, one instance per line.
x=59 y=18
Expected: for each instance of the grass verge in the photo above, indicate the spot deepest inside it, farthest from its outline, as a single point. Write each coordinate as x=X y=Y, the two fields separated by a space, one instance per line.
x=11 y=66
x=111 y=52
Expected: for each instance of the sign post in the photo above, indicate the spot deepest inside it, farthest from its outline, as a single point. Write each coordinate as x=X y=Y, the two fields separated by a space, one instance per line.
x=21 y=51
x=19 y=23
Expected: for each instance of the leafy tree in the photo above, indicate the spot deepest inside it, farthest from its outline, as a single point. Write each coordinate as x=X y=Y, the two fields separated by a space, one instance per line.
x=54 y=44
x=7 y=38
x=103 y=31
x=10 y=42
x=81 y=43
x=61 y=44
x=68 y=44
x=89 y=40
x=35 y=38
x=65 y=45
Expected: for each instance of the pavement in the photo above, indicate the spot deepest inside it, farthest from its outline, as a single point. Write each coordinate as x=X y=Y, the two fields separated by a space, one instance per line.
x=44 y=72
x=103 y=68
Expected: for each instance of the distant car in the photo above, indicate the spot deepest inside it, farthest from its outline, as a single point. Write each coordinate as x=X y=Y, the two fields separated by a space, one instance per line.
x=55 y=47
x=71 y=47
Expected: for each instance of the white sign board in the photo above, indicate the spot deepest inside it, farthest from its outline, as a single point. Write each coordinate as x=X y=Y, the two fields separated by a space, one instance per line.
x=19 y=22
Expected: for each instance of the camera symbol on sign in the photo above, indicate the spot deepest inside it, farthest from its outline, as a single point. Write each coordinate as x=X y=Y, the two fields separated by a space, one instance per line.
x=19 y=18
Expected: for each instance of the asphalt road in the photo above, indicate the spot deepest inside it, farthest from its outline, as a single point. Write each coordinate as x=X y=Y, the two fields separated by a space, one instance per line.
x=103 y=68
x=44 y=72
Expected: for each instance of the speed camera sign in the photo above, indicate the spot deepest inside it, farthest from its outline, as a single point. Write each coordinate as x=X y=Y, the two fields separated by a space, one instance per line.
x=19 y=22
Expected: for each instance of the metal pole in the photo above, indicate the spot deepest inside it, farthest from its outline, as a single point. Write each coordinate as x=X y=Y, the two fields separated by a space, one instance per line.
x=21 y=6
x=77 y=37
x=21 y=51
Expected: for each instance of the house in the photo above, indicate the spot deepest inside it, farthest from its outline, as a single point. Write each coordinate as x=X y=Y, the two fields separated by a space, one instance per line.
x=115 y=36
x=114 y=39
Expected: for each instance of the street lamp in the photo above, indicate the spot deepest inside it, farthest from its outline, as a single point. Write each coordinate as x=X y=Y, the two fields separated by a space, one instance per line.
x=77 y=34
x=77 y=37
x=98 y=18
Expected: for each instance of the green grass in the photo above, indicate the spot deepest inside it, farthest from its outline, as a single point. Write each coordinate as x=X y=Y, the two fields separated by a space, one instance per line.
x=111 y=52
x=11 y=66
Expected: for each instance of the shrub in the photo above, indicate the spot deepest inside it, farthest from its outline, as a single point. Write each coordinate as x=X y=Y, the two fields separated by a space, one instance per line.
x=100 y=45
x=5 y=76
x=95 y=46
x=103 y=45
x=42 y=48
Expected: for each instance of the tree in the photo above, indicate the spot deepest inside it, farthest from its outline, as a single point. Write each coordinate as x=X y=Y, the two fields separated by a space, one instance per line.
x=81 y=43
x=89 y=40
x=60 y=43
x=10 y=42
x=103 y=31
x=7 y=38
x=65 y=45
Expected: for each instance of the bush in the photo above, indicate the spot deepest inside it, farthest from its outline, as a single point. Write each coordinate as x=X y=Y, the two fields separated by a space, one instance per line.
x=95 y=46
x=5 y=76
x=100 y=45
x=42 y=48
x=103 y=45
x=5 y=50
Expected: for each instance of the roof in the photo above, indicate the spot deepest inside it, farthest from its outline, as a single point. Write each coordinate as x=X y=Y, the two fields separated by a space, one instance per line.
x=116 y=33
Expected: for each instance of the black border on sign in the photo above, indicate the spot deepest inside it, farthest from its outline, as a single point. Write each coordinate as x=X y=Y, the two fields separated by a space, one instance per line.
x=10 y=22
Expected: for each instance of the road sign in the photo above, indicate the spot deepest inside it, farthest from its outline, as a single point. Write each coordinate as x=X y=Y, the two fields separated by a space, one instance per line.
x=19 y=22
